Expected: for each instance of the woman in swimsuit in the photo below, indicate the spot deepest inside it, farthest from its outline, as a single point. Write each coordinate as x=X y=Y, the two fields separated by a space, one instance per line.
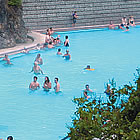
x=131 y=21
x=66 y=43
x=47 y=84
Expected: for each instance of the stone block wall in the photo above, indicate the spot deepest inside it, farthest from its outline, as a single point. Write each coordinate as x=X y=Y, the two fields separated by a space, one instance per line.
x=41 y=14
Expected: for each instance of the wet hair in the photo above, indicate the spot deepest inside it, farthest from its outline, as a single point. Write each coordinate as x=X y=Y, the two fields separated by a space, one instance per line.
x=50 y=42
x=35 y=77
x=66 y=37
x=74 y=11
x=56 y=79
x=88 y=66
x=59 y=50
x=9 y=138
x=50 y=28
x=48 y=80
x=87 y=85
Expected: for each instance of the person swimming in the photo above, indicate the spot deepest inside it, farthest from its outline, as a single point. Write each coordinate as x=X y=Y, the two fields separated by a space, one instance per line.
x=88 y=68
x=67 y=56
x=66 y=43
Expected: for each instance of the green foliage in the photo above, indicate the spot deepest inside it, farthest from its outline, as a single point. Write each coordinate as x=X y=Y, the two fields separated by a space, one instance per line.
x=111 y=120
x=15 y=2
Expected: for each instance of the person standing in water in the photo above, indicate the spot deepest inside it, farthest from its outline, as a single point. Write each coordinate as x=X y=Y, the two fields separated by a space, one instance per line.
x=57 y=86
x=66 y=43
x=67 y=56
x=34 y=85
x=36 y=69
x=39 y=59
x=47 y=84
x=87 y=89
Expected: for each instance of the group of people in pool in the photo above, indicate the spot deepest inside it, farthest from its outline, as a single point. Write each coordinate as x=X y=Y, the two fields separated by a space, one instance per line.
x=37 y=69
x=46 y=85
x=87 y=90
x=124 y=25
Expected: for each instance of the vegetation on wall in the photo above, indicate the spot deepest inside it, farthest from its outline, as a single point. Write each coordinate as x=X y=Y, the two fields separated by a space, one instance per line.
x=118 y=118
x=15 y=2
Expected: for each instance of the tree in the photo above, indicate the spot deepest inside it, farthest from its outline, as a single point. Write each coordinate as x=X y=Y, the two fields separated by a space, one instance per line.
x=117 y=119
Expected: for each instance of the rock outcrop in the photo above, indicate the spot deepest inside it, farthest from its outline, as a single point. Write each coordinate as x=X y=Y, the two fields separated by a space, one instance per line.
x=12 y=29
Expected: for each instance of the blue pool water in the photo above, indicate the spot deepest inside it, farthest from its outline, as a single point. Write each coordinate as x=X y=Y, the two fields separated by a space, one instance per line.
x=40 y=115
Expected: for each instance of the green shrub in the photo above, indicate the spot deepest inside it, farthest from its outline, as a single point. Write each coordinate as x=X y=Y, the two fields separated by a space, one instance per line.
x=15 y=2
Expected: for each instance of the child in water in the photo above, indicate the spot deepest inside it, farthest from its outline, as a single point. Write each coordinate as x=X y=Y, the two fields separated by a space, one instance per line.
x=59 y=52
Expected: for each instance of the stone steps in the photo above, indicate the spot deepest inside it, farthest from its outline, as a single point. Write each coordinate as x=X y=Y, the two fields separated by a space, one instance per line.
x=39 y=14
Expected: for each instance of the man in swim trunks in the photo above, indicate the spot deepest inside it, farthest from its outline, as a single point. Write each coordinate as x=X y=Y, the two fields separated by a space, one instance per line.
x=36 y=69
x=34 y=85
x=57 y=86
x=39 y=59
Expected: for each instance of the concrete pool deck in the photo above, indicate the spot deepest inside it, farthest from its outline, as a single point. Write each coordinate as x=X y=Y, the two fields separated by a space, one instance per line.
x=39 y=38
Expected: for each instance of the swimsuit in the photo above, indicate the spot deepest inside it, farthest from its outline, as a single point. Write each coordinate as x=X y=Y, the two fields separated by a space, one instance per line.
x=67 y=45
x=131 y=21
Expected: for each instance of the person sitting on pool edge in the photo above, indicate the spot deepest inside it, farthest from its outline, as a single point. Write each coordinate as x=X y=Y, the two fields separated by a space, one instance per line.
x=57 y=86
x=39 y=59
x=36 y=69
x=131 y=21
x=47 y=84
x=87 y=89
x=34 y=85
x=67 y=56
x=59 y=52
x=111 y=26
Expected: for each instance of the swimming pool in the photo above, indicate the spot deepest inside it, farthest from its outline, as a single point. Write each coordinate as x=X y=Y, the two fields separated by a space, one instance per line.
x=43 y=115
